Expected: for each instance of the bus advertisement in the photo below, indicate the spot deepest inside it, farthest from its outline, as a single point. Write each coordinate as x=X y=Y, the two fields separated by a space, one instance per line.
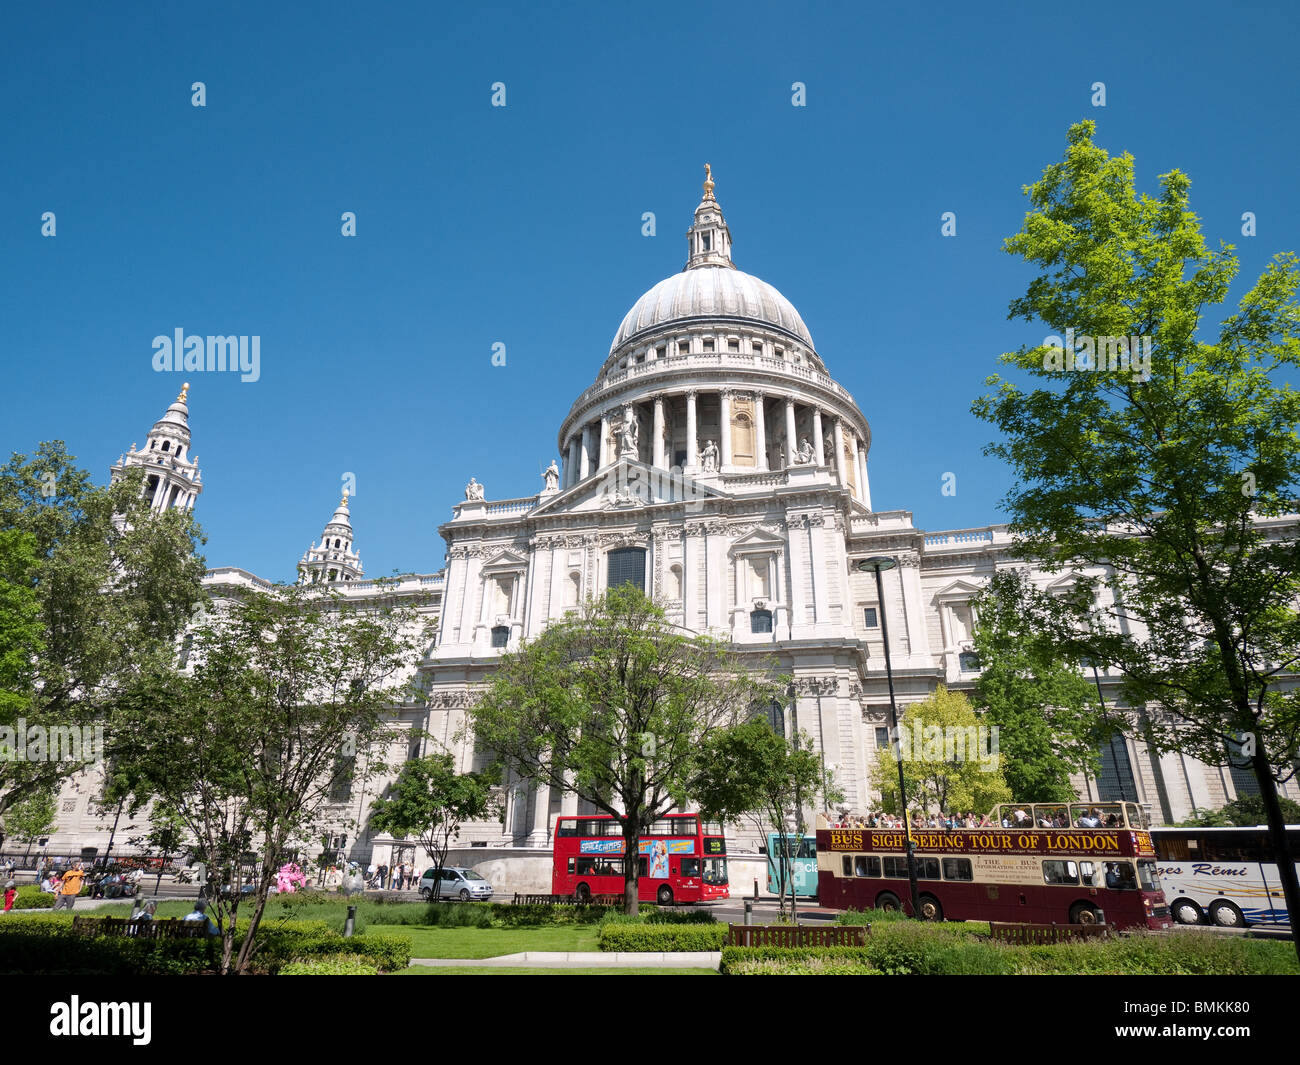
x=680 y=859
x=1017 y=870
x=1223 y=876
x=801 y=865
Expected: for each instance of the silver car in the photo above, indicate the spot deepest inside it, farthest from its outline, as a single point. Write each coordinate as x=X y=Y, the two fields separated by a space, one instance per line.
x=457 y=883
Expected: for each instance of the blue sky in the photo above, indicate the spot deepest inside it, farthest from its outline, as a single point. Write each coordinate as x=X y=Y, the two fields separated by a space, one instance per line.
x=522 y=225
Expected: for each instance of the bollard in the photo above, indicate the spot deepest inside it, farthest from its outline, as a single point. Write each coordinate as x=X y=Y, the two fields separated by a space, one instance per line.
x=350 y=923
x=749 y=911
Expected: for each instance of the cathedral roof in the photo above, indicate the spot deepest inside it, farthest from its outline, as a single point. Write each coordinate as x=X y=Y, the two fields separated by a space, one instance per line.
x=712 y=292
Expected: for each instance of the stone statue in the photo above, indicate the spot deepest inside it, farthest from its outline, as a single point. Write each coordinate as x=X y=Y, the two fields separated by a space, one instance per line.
x=804 y=455
x=627 y=436
x=552 y=476
x=709 y=457
x=473 y=490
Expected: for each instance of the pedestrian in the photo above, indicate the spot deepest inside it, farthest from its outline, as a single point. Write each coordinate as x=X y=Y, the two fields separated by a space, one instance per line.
x=383 y=875
x=70 y=887
x=371 y=874
x=11 y=893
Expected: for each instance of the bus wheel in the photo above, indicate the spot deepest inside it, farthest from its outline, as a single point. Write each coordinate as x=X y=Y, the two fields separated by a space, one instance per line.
x=930 y=908
x=1083 y=913
x=1226 y=915
x=582 y=893
x=887 y=902
x=665 y=896
x=1187 y=912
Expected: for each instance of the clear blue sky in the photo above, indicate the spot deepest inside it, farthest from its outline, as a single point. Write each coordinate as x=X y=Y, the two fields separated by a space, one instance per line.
x=522 y=225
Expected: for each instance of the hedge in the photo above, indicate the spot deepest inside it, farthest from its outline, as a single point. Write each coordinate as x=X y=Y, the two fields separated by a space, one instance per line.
x=31 y=897
x=46 y=944
x=330 y=965
x=662 y=937
x=924 y=949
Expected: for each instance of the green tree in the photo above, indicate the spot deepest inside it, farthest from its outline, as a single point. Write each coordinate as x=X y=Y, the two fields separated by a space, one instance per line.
x=244 y=751
x=94 y=591
x=753 y=771
x=614 y=703
x=949 y=761
x=1169 y=487
x=430 y=802
x=1047 y=715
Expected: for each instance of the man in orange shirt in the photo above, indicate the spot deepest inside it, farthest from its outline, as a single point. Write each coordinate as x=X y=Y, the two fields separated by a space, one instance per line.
x=70 y=888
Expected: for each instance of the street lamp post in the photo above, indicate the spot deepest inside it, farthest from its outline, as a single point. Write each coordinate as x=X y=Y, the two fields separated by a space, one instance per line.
x=879 y=563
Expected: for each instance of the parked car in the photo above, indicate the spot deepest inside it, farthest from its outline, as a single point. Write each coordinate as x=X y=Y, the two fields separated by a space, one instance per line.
x=457 y=883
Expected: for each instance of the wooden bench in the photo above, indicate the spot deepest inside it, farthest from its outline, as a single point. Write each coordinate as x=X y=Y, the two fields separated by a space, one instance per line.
x=170 y=928
x=1037 y=935
x=784 y=935
x=566 y=900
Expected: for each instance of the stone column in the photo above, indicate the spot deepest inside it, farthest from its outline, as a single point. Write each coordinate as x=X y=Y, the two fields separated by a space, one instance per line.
x=541 y=827
x=840 y=470
x=791 y=444
x=575 y=460
x=584 y=457
x=819 y=446
x=658 y=453
x=724 y=427
x=853 y=456
x=604 y=441
x=864 y=490
x=760 y=433
x=692 y=444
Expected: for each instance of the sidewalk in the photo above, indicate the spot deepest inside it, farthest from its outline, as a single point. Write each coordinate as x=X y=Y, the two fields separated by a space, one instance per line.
x=588 y=959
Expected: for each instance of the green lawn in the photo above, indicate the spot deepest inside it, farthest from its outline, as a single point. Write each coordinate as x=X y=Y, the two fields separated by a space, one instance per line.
x=437 y=942
x=513 y=970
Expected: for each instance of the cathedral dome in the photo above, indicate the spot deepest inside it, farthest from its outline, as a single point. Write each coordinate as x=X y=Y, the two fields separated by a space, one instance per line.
x=716 y=293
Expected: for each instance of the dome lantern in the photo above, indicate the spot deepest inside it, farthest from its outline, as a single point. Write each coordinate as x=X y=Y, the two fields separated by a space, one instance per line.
x=708 y=241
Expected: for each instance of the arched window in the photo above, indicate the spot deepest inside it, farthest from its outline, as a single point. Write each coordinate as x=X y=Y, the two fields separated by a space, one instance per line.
x=500 y=635
x=760 y=621
x=627 y=566
x=970 y=662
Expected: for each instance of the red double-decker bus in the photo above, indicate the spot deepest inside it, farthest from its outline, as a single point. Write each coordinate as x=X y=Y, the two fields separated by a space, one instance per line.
x=1041 y=864
x=680 y=859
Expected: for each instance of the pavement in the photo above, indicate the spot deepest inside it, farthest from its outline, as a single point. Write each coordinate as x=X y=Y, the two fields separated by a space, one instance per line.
x=584 y=959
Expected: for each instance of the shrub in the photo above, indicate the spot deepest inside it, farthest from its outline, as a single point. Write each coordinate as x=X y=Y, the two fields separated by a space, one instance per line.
x=31 y=897
x=870 y=917
x=737 y=960
x=662 y=937
x=330 y=965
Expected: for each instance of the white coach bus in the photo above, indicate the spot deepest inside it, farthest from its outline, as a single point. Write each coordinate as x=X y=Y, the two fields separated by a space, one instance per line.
x=1222 y=876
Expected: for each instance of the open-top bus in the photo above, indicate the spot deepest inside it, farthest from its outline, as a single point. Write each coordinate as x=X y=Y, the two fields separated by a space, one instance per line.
x=1223 y=876
x=680 y=859
x=801 y=865
x=1084 y=863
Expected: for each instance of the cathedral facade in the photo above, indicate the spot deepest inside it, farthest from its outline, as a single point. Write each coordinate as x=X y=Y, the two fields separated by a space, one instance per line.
x=716 y=463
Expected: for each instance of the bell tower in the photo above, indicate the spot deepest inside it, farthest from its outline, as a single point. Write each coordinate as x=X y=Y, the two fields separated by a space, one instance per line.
x=335 y=559
x=708 y=241
x=171 y=475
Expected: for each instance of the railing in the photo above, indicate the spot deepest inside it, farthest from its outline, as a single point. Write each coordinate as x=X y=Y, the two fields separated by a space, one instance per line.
x=1038 y=935
x=566 y=900
x=783 y=935
x=961 y=536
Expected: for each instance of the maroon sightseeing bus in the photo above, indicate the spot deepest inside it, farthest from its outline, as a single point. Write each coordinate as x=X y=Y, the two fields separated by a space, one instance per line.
x=1018 y=870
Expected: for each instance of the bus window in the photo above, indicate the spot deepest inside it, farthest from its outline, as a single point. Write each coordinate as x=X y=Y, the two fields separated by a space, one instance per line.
x=896 y=868
x=690 y=867
x=1088 y=874
x=1112 y=815
x=807 y=848
x=957 y=869
x=1137 y=817
x=926 y=868
x=715 y=871
x=1147 y=875
x=642 y=866
x=1060 y=872
x=866 y=865
x=847 y=863
x=1119 y=876
x=1053 y=816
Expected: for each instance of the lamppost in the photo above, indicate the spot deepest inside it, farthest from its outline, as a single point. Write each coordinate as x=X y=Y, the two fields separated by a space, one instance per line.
x=877 y=564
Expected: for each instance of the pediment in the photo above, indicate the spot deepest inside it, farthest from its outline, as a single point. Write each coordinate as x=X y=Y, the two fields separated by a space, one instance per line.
x=759 y=539
x=627 y=485
x=505 y=560
x=958 y=589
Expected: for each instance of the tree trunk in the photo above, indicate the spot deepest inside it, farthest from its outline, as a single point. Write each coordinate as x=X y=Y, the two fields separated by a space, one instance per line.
x=1277 y=836
x=631 y=856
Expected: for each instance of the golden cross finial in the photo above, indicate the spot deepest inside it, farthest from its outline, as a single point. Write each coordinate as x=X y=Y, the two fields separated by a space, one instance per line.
x=708 y=182
x=184 y=390
x=345 y=498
